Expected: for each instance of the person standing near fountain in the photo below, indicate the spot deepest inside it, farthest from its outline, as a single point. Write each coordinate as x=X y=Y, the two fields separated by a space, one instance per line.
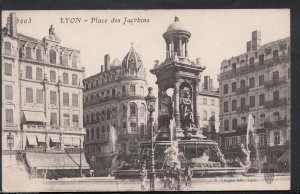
x=167 y=176
x=188 y=174
x=143 y=174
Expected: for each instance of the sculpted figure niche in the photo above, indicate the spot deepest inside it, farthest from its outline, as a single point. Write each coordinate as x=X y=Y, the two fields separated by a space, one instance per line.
x=186 y=111
x=166 y=110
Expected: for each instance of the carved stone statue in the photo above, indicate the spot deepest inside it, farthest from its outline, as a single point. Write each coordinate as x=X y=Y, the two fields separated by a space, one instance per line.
x=166 y=110
x=186 y=110
x=198 y=61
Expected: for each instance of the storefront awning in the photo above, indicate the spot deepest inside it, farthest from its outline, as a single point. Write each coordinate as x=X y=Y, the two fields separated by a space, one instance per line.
x=56 y=160
x=55 y=138
x=41 y=138
x=68 y=141
x=32 y=140
x=35 y=117
x=76 y=141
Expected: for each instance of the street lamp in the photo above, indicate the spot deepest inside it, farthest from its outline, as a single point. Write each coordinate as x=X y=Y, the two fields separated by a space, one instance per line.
x=151 y=100
x=10 y=142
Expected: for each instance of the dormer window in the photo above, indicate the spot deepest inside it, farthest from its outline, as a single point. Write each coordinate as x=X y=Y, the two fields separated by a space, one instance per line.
x=38 y=55
x=28 y=52
x=52 y=57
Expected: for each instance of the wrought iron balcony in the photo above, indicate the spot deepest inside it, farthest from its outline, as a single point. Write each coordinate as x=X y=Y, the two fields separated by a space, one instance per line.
x=242 y=90
x=47 y=128
x=273 y=83
x=276 y=103
x=242 y=109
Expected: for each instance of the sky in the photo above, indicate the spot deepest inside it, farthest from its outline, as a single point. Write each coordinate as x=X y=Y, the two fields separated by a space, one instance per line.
x=216 y=34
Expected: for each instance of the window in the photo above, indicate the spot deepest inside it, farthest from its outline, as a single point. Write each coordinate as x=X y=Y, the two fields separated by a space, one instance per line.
x=124 y=111
x=124 y=127
x=38 y=55
x=243 y=120
x=123 y=90
x=205 y=115
x=132 y=90
x=87 y=134
x=132 y=110
x=39 y=74
x=276 y=138
x=261 y=59
x=8 y=69
x=234 y=124
x=276 y=96
x=52 y=57
x=65 y=78
x=7 y=48
x=8 y=92
x=142 y=90
x=262 y=139
x=225 y=107
x=133 y=128
x=98 y=117
x=108 y=115
x=75 y=100
x=113 y=92
x=204 y=101
x=52 y=76
x=212 y=102
x=276 y=76
x=233 y=105
x=29 y=95
x=103 y=115
x=74 y=61
x=262 y=118
x=226 y=125
x=74 y=79
x=39 y=96
x=233 y=66
x=234 y=141
x=225 y=89
x=93 y=133
x=233 y=87
x=75 y=120
x=53 y=119
x=213 y=114
x=98 y=132
x=142 y=129
x=243 y=102
x=275 y=53
x=142 y=110
x=28 y=72
x=261 y=80
x=28 y=52
x=252 y=101
x=9 y=116
x=66 y=118
x=243 y=84
x=66 y=99
x=53 y=97
x=64 y=59
x=261 y=100
x=252 y=82
x=251 y=61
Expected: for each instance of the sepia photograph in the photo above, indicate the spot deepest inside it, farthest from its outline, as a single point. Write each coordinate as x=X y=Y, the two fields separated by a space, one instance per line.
x=146 y=100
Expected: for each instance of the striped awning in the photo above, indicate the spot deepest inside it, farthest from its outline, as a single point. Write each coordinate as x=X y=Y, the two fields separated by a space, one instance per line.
x=76 y=141
x=68 y=141
x=55 y=138
x=41 y=138
x=32 y=140
x=35 y=116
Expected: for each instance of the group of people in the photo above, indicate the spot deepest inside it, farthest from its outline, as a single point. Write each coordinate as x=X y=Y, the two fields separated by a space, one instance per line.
x=172 y=176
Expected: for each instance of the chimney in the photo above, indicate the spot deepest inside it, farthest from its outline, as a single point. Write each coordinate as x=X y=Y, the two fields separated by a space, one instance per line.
x=101 y=68
x=210 y=84
x=206 y=82
x=249 y=46
x=12 y=24
x=106 y=62
x=256 y=39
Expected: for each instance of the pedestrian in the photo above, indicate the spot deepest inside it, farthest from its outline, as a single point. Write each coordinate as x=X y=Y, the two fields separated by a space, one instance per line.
x=143 y=175
x=176 y=173
x=188 y=174
x=167 y=176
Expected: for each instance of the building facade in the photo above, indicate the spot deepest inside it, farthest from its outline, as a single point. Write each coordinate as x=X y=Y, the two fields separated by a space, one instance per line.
x=42 y=90
x=257 y=82
x=209 y=109
x=115 y=113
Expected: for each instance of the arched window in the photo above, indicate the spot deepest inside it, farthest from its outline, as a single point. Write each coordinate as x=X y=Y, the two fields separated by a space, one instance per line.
x=103 y=115
x=142 y=110
x=132 y=110
x=98 y=116
x=124 y=111
x=28 y=52
x=52 y=57
x=7 y=48
x=38 y=55
x=113 y=113
x=108 y=114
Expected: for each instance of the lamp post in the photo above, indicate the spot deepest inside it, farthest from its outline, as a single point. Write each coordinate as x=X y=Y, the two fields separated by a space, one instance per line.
x=151 y=100
x=10 y=142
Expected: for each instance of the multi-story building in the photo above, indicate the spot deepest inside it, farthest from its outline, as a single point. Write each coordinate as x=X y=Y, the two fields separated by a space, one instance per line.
x=42 y=104
x=115 y=115
x=257 y=82
x=209 y=109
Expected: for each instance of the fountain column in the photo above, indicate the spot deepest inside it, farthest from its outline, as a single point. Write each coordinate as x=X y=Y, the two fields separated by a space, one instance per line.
x=176 y=108
x=196 y=101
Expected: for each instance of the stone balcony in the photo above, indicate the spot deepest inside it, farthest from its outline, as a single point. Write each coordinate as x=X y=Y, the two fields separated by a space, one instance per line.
x=276 y=103
x=242 y=109
x=111 y=98
x=51 y=129
x=273 y=83
x=242 y=90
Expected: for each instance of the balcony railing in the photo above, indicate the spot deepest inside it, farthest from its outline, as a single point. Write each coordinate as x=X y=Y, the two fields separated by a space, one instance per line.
x=242 y=109
x=273 y=83
x=276 y=103
x=46 y=128
x=275 y=124
x=130 y=136
x=116 y=97
x=242 y=90
x=257 y=65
